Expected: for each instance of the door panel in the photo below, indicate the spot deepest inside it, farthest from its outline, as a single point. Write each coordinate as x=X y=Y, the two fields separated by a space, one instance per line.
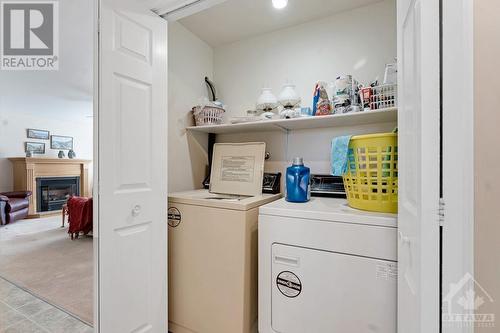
x=320 y=291
x=133 y=151
x=133 y=39
x=132 y=177
x=418 y=121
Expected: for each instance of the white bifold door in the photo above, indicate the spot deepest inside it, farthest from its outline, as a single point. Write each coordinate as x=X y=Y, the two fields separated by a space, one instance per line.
x=418 y=149
x=132 y=169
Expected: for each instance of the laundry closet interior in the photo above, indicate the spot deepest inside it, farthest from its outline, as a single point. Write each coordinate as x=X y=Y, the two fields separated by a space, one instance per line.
x=242 y=47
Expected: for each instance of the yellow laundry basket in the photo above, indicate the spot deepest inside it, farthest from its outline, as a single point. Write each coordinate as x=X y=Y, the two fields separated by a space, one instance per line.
x=371 y=181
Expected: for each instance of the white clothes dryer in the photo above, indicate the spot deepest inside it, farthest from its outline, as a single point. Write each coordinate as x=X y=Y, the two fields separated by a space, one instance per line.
x=325 y=268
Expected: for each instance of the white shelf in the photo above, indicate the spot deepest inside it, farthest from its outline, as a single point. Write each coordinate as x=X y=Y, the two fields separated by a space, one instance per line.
x=340 y=120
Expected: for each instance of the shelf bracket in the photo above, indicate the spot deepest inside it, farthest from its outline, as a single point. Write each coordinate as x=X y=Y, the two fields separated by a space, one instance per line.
x=281 y=128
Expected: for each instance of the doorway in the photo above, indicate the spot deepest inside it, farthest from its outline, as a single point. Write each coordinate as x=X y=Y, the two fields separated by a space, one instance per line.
x=131 y=207
x=46 y=157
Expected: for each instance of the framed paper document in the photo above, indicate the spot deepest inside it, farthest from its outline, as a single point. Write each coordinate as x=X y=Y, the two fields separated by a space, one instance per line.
x=238 y=168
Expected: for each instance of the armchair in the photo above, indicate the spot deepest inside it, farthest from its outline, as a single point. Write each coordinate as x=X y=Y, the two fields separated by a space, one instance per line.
x=14 y=206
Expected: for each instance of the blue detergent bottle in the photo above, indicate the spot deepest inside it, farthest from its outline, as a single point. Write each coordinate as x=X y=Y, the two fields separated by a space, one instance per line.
x=297 y=181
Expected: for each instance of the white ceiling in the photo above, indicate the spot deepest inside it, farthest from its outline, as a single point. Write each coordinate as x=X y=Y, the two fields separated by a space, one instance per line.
x=234 y=20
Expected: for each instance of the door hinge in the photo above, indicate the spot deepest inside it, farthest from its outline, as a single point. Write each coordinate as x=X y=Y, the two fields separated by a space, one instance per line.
x=441 y=212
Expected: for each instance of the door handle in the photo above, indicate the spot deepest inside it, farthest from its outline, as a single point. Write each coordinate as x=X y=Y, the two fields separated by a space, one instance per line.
x=136 y=210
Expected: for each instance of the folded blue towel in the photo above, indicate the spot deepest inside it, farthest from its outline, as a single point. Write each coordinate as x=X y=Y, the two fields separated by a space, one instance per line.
x=340 y=147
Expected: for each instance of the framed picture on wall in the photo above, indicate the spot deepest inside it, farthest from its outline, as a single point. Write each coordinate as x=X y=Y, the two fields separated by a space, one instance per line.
x=35 y=147
x=61 y=142
x=33 y=133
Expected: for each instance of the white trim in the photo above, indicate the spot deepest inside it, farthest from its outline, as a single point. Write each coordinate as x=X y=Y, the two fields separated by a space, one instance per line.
x=183 y=9
x=95 y=183
x=458 y=145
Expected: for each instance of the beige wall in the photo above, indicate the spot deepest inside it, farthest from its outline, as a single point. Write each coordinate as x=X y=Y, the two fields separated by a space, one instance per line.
x=487 y=153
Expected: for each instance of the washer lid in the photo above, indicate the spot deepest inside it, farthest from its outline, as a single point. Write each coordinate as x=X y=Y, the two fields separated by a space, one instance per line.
x=207 y=199
x=328 y=209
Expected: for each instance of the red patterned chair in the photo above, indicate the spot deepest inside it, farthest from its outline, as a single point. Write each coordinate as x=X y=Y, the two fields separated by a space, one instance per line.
x=14 y=206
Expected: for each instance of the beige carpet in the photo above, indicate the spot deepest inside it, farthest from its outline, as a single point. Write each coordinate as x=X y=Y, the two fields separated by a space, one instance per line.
x=39 y=256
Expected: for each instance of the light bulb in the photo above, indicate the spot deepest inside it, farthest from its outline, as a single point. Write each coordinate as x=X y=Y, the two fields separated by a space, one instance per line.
x=280 y=4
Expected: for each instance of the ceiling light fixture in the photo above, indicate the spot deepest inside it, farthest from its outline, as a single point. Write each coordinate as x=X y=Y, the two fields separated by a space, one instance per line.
x=280 y=4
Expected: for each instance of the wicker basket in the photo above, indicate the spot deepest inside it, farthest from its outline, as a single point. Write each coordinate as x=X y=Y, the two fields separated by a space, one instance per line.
x=208 y=115
x=384 y=96
x=371 y=181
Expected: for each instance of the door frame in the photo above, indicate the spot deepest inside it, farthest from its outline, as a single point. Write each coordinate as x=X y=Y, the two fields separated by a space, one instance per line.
x=182 y=8
x=458 y=133
x=95 y=164
x=458 y=145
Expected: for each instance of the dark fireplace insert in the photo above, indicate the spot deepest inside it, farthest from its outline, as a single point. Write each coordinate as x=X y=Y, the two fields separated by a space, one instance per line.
x=53 y=192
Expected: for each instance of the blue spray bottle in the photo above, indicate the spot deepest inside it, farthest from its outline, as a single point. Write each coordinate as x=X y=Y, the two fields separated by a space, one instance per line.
x=297 y=181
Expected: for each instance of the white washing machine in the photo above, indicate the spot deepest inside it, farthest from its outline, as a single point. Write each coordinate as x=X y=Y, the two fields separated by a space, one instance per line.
x=325 y=268
x=212 y=268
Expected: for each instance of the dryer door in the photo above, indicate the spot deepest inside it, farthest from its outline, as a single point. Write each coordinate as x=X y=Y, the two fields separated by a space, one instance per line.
x=321 y=291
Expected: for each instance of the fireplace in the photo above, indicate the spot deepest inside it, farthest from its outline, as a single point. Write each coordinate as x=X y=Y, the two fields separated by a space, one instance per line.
x=53 y=192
